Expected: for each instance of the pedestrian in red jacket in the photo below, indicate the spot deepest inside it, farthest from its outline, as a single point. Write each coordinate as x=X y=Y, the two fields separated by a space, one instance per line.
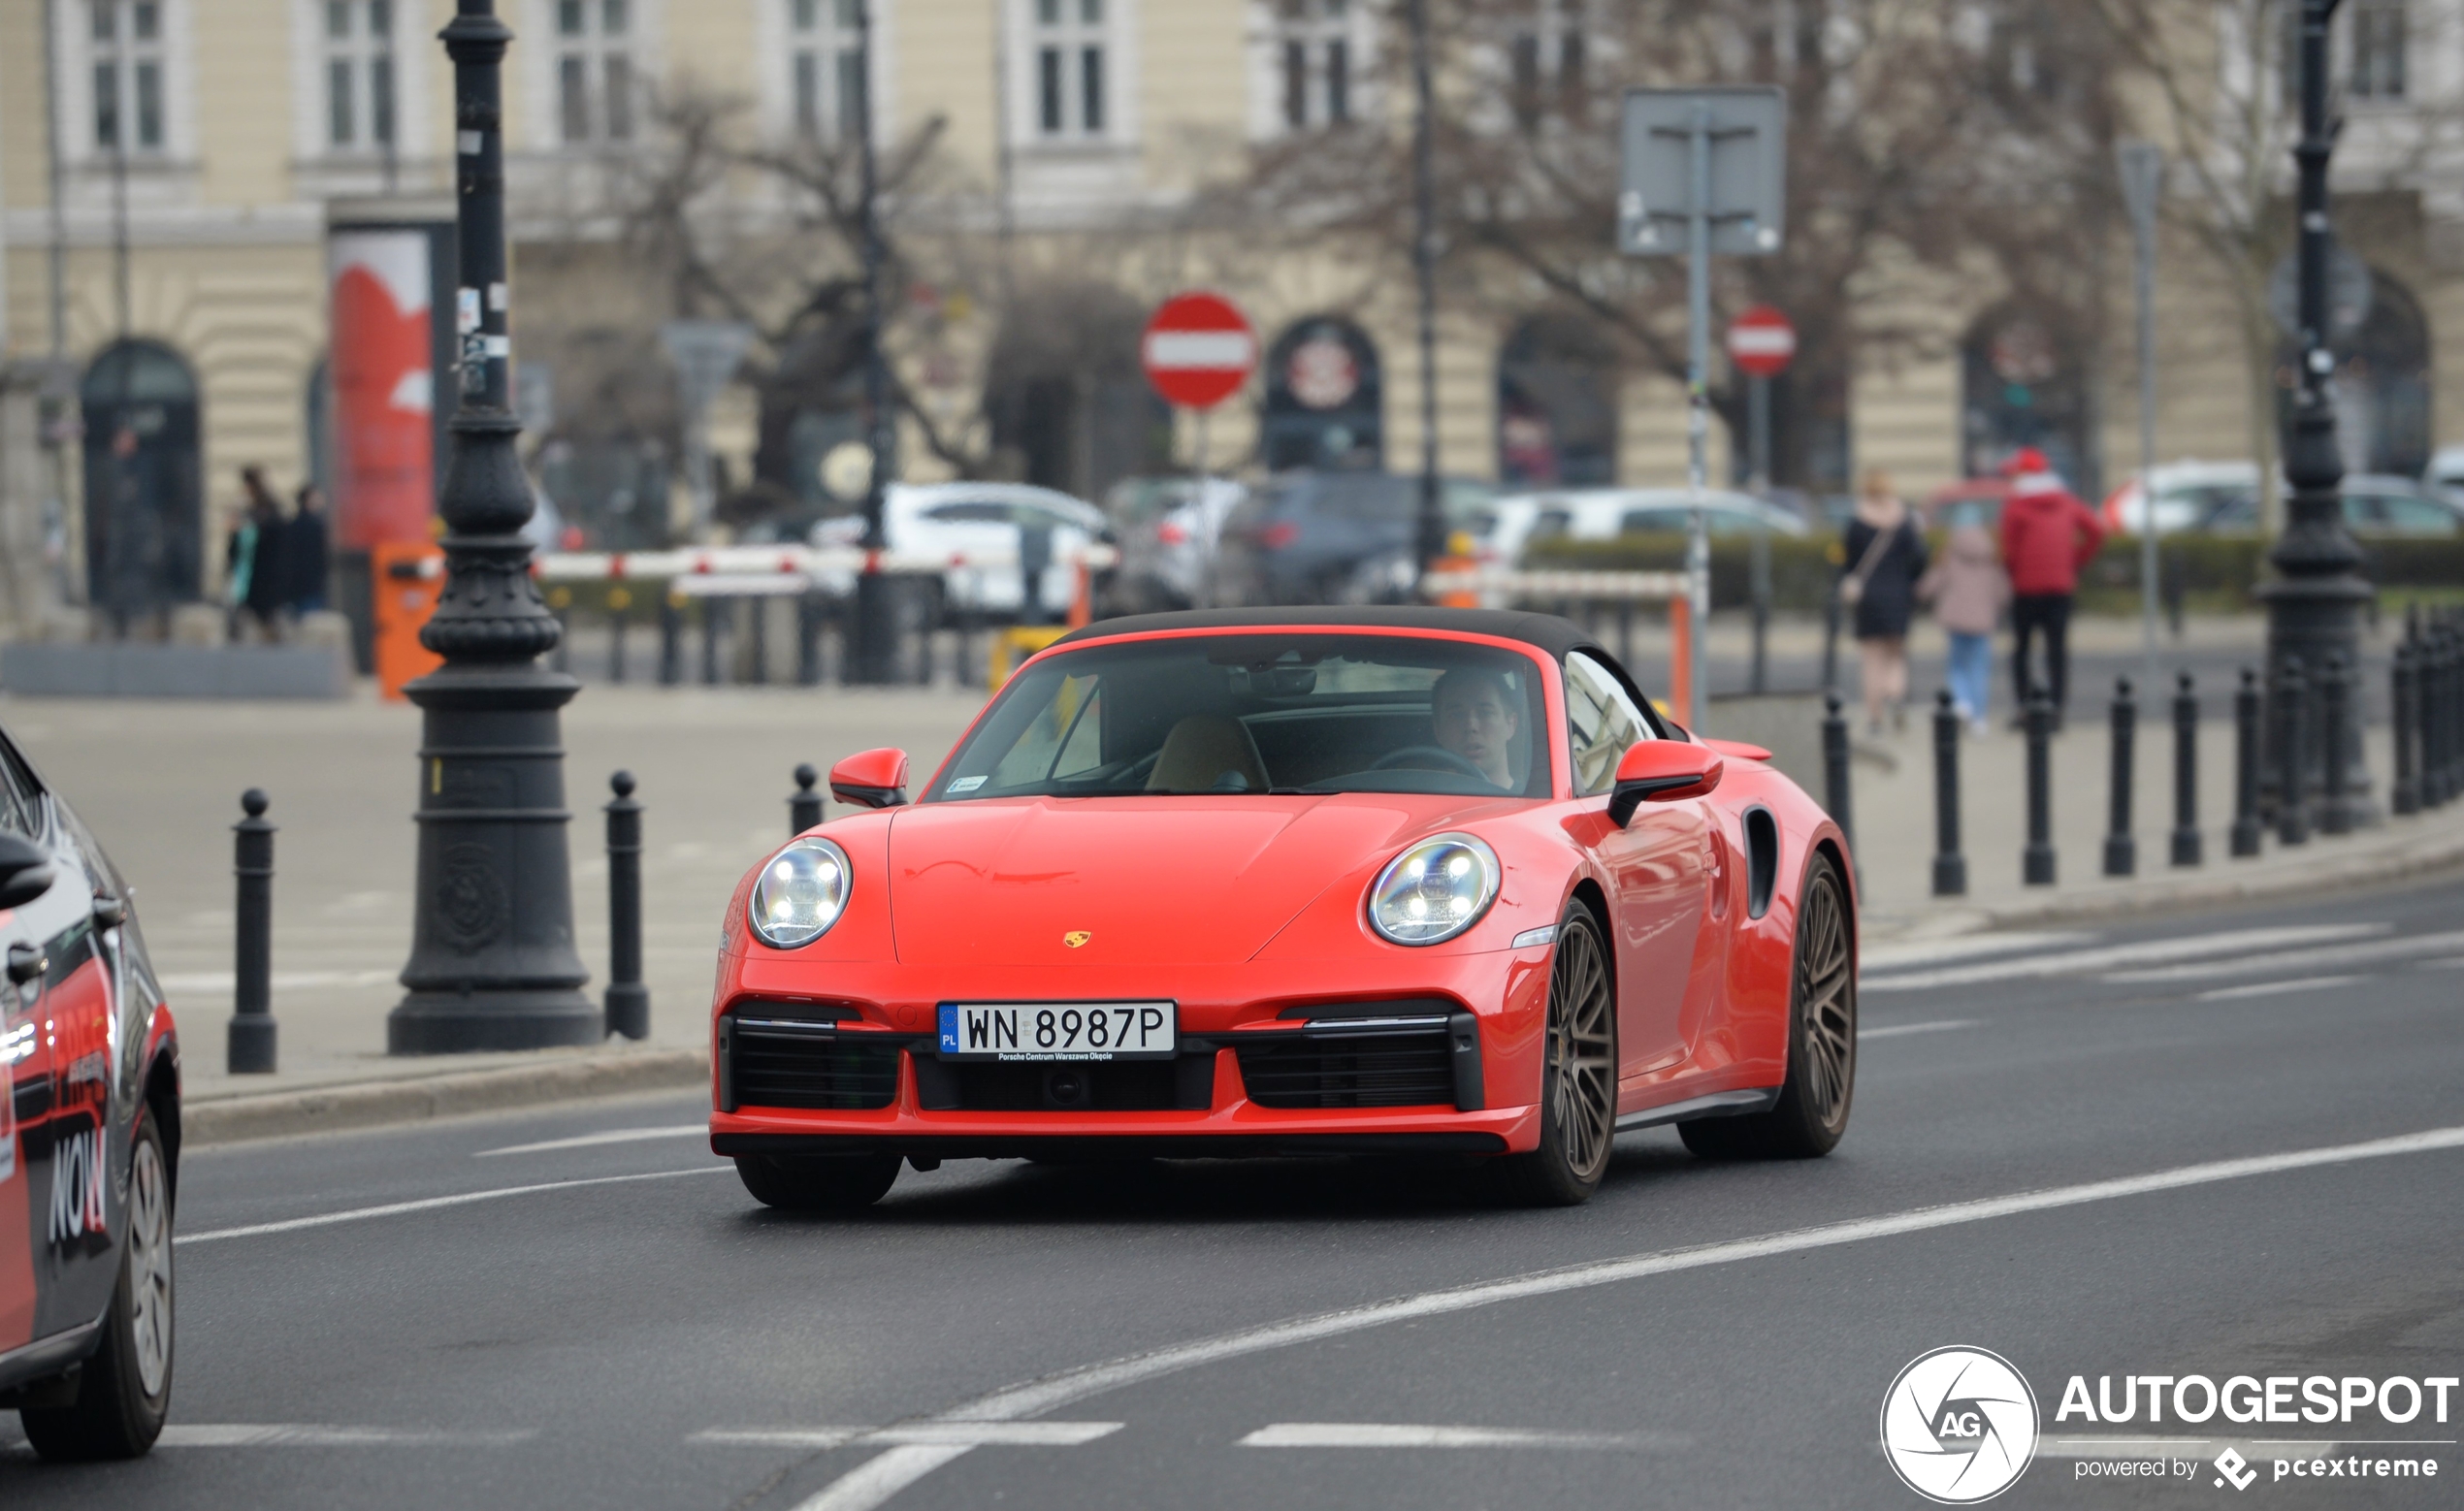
x=2047 y=536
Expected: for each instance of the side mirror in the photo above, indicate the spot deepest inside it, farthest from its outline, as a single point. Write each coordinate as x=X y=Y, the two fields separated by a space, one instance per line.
x=1661 y=771
x=25 y=872
x=871 y=779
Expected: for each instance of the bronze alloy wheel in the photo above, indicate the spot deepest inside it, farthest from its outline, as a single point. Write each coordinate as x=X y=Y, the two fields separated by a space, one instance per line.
x=1826 y=992
x=1812 y=1110
x=1579 y=1077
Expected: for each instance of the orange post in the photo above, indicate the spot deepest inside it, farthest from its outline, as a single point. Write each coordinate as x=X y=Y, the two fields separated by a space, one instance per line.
x=1681 y=662
x=1082 y=603
x=410 y=575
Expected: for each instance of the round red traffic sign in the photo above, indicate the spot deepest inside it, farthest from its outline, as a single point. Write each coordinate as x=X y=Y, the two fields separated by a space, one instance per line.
x=1198 y=350
x=1761 y=340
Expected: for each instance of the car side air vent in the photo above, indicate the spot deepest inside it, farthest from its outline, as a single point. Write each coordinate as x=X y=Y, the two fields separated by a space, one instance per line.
x=1762 y=861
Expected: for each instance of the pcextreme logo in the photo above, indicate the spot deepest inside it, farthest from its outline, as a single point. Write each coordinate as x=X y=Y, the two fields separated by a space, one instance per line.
x=1958 y=1426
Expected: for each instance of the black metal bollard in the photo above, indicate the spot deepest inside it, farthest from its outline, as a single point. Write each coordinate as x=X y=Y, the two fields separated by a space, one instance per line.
x=1835 y=766
x=2187 y=847
x=1950 y=867
x=808 y=639
x=1830 y=639
x=2246 y=710
x=2292 y=747
x=804 y=805
x=2407 y=795
x=671 y=640
x=620 y=603
x=2335 y=691
x=2122 y=847
x=628 y=1000
x=2036 y=862
x=250 y=1048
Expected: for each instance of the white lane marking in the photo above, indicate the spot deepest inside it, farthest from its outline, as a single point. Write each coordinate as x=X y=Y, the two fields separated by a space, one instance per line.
x=2274 y=989
x=1964 y=947
x=430 y=1204
x=937 y=1432
x=1896 y=1029
x=587 y=1141
x=310 y=1434
x=2150 y=951
x=2279 y=962
x=1396 y=1434
x=878 y=1480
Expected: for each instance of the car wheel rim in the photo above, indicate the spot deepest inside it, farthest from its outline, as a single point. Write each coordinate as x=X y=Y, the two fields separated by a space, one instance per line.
x=1826 y=991
x=1582 y=1088
x=150 y=1266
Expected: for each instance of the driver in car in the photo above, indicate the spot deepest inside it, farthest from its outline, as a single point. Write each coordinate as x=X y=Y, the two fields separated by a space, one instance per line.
x=1474 y=714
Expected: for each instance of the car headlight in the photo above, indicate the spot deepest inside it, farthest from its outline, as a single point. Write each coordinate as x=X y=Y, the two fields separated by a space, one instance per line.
x=801 y=892
x=1433 y=891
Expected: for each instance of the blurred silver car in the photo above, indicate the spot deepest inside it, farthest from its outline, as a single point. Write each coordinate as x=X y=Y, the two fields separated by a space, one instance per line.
x=1508 y=527
x=1168 y=529
x=976 y=528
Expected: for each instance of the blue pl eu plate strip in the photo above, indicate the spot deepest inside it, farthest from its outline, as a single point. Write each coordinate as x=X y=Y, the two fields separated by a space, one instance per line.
x=949 y=1028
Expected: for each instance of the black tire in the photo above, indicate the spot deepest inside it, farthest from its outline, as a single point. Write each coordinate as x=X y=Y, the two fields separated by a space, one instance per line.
x=818 y=1183
x=1578 y=1073
x=123 y=1389
x=1812 y=1111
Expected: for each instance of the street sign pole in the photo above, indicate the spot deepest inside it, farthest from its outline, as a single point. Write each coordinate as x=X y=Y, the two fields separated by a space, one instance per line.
x=1759 y=426
x=705 y=354
x=2142 y=184
x=1698 y=420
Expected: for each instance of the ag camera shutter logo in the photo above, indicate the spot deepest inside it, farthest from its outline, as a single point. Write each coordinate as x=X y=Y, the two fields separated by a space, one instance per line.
x=1958 y=1426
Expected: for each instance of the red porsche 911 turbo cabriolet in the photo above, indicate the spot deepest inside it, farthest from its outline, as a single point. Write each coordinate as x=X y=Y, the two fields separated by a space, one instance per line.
x=1319 y=881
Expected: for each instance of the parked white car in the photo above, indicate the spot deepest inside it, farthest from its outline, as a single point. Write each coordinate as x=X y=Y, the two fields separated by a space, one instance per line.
x=968 y=524
x=2187 y=492
x=1506 y=527
x=2446 y=471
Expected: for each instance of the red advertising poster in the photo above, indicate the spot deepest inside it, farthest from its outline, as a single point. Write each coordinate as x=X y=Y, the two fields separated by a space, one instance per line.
x=384 y=469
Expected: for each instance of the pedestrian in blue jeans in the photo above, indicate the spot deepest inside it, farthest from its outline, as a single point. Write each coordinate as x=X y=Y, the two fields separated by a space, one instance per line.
x=1968 y=590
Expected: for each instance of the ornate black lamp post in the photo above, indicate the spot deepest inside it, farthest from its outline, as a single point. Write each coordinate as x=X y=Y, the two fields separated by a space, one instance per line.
x=2314 y=604
x=492 y=961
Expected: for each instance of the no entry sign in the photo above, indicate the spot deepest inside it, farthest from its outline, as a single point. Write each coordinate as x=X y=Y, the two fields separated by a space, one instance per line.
x=1198 y=350
x=1761 y=342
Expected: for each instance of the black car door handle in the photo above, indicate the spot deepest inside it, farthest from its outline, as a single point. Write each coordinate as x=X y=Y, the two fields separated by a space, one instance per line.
x=25 y=963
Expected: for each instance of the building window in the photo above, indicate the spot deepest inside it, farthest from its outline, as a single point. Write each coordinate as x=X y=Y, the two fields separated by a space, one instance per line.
x=126 y=37
x=1070 y=84
x=594 y=71
x=827 y=59
x=2378 y=50
x=1547 y=50
x=359 y=74
x=1315 y=59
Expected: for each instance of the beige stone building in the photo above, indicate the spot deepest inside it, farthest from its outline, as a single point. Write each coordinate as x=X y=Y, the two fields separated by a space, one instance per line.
x=202 y=149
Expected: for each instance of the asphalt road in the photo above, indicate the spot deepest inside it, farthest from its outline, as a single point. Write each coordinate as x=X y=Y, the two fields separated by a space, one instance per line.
x=655 y=1339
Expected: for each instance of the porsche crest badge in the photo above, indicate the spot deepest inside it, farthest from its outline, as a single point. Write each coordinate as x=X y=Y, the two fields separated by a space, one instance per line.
x=1076 y=937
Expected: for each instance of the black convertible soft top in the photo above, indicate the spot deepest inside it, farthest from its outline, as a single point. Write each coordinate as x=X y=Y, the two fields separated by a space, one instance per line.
x=1547 y=632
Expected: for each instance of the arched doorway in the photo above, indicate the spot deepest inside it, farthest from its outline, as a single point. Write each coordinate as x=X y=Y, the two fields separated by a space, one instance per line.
x=1068 y=403
x=1557 y=404
x=144 y=497
x=1325 y=404
x=2024 y=383
x=2383 y=385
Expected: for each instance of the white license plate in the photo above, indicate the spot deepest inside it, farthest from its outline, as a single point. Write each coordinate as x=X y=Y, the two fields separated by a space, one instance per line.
x=1057 y=1031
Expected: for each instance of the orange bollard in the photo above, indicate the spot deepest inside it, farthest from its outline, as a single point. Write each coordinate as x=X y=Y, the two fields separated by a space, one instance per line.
x=1457 y=597
x=1681 y=662
x=410 y=576
x=1082 y=603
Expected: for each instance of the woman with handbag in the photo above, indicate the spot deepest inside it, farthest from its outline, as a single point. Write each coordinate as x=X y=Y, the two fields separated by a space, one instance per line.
x=1885 y=554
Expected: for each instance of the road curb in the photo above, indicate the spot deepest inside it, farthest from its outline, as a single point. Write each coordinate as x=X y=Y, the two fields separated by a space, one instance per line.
x=284 y=1114
x=2334 y=873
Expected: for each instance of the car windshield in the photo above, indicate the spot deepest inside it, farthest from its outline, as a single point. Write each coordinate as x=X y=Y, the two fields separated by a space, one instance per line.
x=1262 y=713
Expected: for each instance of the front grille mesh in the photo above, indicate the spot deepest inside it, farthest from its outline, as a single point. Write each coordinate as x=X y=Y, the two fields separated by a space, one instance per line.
x=786 y=1067
x=1377 y=1070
